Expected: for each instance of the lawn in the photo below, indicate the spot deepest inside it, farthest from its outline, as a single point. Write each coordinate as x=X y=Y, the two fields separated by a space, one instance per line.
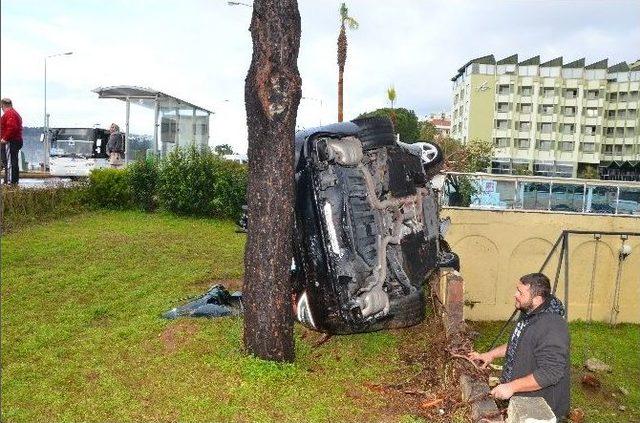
x=616 y=346
x=83 y=340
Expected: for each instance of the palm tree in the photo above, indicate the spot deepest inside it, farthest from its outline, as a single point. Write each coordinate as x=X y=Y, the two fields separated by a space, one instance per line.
x=391 y=95
x=342 y=51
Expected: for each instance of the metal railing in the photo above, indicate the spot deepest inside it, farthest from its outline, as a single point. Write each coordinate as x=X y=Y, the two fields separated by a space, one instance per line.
x=540 y=193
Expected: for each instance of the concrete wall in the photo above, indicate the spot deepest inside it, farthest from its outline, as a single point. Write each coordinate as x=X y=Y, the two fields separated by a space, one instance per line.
x=481 y=107
x=497 y=247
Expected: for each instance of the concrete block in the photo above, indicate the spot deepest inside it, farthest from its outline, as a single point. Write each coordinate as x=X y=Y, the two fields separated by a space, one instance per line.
x=529 y=410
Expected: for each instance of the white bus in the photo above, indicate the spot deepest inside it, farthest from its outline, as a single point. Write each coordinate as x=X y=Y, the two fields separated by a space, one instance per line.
x=75 y=152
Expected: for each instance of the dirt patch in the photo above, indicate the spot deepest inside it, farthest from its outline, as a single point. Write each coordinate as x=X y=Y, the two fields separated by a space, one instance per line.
x=177 y=334
x=426 y=384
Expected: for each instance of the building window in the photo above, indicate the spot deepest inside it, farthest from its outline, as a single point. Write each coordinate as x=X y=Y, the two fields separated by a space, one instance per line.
x=525 y=108
x=502 y=124
x=548 y=92
x=566 y=146
x=593 y=94
x=631 y=131
x=570 y=93
x=574 y=73
x=504 y=89
x=568 y=128
x=523 y=143
x=588 y=147
x=504 y=107
x=501 y=167
x=611 y=114
x=591 y=112
x=528 y=70
x=545 y=145
x=613 y=97
x=569 y=111
x=623 y=97
x=526 y=91
x=547 y=109
x=501 y=142
x=546 y=128
x=547 y=71
x=631 y=113
x=628 y=149
x=593 y=74
x=590 y=129
x=619 y=132
x=524 y=126
x=505 y=69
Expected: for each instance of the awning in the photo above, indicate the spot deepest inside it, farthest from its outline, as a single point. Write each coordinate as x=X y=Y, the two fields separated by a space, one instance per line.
x=145 y=97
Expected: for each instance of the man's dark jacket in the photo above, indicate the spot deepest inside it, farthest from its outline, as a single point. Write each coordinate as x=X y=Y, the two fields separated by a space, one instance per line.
x=543 y=349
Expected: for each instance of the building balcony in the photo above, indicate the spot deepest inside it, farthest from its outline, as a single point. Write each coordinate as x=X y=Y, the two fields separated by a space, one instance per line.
x=570 y=101
x=504 y=98
x=589 y=157
x=595 y=102
x=546 y=118
x=523 y=133
x=502 y=133
x=590 y=138
x=549 y=100
x=596 y=121
x=525 y=116
x=503 y=115
x=545 y=135
x=571 y=136
x=526 y=99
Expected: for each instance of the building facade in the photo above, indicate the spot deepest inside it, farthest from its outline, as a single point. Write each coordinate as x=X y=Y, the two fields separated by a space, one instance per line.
x=551 y=118
x=441 y=122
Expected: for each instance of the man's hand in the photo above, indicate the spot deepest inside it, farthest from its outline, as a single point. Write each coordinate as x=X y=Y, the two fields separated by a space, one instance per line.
x=484 y=358
x=3 y=141
x=503 y=391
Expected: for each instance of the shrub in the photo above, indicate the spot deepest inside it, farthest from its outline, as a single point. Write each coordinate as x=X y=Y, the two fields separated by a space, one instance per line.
x=21 y=206
x=109 y=188
x=143 y=179
x=198 y=182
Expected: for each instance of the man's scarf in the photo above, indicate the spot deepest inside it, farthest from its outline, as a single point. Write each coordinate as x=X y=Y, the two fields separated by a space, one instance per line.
x=551 y=305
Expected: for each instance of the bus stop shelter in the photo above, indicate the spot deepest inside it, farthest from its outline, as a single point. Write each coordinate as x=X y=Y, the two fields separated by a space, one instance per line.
x=177 y=123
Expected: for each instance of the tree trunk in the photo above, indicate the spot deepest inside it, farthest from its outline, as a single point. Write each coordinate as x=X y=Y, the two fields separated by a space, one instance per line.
x=340 y=87
x=272 y=95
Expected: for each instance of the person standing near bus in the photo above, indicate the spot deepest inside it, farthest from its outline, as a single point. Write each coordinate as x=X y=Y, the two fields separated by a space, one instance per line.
x=115 y=147
x=10 y=141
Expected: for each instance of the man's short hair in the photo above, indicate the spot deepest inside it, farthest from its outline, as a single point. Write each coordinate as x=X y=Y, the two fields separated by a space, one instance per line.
x=115 y=127
x=538 y=284
x=6 y=102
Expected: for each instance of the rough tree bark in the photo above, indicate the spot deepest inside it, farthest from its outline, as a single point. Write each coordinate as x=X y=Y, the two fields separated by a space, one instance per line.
x=272 y=95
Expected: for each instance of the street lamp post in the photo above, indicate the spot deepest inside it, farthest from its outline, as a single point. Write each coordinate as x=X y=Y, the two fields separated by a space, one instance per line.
x=46 y=116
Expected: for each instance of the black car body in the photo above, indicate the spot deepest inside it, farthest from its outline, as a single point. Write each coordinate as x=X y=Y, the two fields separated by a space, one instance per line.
x=368 y=231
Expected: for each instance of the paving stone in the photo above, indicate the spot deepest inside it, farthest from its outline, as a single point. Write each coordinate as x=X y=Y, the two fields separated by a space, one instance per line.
x=529 y=410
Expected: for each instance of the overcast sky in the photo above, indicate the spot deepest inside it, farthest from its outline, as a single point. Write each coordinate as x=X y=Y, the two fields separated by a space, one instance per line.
x=200 y=51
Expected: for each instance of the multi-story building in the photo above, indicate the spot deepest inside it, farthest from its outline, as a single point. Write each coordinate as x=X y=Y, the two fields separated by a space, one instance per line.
x=551 y=118
x=441 y=122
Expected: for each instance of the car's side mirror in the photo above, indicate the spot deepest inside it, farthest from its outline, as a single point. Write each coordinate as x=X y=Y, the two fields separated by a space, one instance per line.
x=99 y=142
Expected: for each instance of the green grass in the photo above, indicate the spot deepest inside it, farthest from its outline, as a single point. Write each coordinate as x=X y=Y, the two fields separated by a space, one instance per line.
x=617 y=346
x=82 y=339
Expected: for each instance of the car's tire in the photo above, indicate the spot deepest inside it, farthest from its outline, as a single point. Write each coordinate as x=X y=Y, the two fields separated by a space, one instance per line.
x=375 y=132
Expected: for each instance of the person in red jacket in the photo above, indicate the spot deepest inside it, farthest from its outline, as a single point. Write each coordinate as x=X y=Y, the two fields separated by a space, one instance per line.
x=10 y=140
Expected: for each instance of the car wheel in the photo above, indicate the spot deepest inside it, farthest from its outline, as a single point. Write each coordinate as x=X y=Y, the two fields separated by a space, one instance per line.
x=375 y=132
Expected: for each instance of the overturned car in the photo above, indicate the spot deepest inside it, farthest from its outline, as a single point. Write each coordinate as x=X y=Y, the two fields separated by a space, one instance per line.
x=368 y=232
